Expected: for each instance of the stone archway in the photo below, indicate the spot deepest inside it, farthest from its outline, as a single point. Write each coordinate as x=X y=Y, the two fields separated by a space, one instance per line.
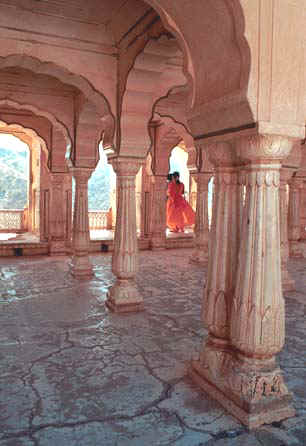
x=230 y=47
x=91 y=101
x=58 y=125
x=31 y=218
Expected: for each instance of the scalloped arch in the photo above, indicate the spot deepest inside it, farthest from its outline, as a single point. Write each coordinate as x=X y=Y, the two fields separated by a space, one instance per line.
x=67 y=77
x=179 y=128
x=27 y=135
x=188 y=66
x=57 y=124
x=179 y=24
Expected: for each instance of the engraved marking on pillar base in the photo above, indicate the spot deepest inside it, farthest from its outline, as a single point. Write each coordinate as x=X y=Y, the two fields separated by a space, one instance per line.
x=263 y=412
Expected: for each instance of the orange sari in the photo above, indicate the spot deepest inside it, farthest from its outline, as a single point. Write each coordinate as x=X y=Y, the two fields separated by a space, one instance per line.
x=179 y=211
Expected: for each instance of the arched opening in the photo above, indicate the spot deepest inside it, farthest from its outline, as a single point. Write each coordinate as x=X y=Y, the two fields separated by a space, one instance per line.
x=102 y=199
x=178 y=162
x=14 y=185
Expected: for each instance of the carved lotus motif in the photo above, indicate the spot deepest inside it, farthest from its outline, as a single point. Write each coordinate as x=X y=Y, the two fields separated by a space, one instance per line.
x=263 y=148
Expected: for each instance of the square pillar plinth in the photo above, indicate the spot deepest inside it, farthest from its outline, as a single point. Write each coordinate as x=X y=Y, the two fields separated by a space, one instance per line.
x=81 y=268
x=254 y=396
x=124 y=297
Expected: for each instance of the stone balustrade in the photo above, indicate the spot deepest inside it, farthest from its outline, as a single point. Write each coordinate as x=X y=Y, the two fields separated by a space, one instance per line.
x=12 y=220
x=100 y=219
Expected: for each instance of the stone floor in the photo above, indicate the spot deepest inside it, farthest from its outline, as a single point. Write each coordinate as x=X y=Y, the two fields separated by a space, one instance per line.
x=72 y=373
x=95 y=234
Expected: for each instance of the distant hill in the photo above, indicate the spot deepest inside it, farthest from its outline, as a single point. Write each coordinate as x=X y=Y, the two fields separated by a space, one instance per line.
x=13 y=179
x=14 y=182
x=99 y=187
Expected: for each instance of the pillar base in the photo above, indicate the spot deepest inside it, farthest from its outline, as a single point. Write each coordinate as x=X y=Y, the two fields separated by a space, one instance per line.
x=123 y=297
x=57 y=248
x=158 y=243
x=295 y=250
x=251 y=390
x=81 y=268
x=199 y=256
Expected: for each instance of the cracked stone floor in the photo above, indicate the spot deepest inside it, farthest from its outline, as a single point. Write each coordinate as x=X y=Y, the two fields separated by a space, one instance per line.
x=72 y=373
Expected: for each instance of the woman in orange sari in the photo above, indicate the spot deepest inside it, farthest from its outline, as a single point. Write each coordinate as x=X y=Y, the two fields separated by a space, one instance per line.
x=179 y=211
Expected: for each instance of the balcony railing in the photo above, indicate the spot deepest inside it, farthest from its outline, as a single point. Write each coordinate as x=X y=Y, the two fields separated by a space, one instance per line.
x=100 y=219
x=13 y=220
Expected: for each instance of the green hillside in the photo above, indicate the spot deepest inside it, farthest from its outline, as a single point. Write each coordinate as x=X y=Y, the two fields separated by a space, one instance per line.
x=14 y=182
x=13 y=179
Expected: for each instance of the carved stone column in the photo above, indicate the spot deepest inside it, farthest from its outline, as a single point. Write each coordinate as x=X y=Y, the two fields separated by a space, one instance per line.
x=294 y=226
x=200 y=253
x=222 y=263
x=57 y=241
x=287 y=281
x=241 y=194
x=124 y=296
x=241 y=372
x=158 y=223
x=80 y=264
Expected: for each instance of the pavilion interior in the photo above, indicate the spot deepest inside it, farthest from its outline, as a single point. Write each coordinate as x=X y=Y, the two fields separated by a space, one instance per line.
x=115 y=331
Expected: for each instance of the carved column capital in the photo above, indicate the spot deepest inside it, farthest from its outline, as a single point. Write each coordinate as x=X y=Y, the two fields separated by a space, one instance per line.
x=203 y=163
x=263 y=149
x=285 y=175
x=221 y=154
x=57 y=179
x=296 y=183
x=294 y=159
x=127 y=166
x=81 y=174
x=202 y=179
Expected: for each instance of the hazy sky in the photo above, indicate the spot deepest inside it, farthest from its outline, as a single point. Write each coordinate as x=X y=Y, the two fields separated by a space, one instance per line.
x=11 y=142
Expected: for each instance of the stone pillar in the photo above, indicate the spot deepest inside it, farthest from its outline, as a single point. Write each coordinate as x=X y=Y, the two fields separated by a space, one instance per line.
x=200 y=253
x=303 y=210
x=287 y=281
x=241 y=194
x=294 y=226
x=159 y=203
x=193 y=190
x=57 y=239
x=124 y=296
x=223 y=251
x=237 y=365
x=81 y=267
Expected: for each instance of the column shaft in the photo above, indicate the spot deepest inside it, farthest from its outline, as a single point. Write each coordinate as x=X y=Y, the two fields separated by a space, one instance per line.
x=287 y=281
x=294 y=227
x=123 y=296
x=158 y=223
x=200 y=253
x=80 y=265
x=57 y=243
x=244 y=311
